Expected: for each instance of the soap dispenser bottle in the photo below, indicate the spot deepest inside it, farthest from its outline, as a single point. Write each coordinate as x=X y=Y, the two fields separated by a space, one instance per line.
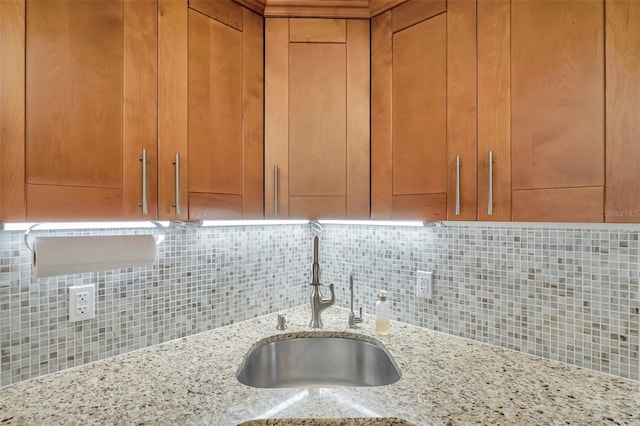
x=383 y=322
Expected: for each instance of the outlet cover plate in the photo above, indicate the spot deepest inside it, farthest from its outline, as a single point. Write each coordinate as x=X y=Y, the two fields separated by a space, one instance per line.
x=82 y=302
x=424 y=284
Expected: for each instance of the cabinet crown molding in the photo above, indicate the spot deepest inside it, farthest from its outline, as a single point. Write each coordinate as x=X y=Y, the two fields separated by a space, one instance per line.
x=363 y=9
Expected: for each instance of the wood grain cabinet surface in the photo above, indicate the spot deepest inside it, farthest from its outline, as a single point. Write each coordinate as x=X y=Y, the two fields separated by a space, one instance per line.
x=317 y=118
x=12 y=77
x=622 y=47
x=211 y=110
x=90 y=108
x=343 y=118
x=106 y=80
x=424 y=111
x=557 y=111
x=558 y=84
x=225 y=60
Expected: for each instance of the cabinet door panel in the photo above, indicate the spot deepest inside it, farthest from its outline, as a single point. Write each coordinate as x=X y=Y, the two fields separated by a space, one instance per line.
x=253 y=115
x=461 y=108
x=224 y=11
x=317 y=78
x=317 y=119
x=276 y=126
x=419 y=117
x=557 y=59
x=172 y=107
x=50 y=202
x=494 y=108
x=140 y=107
x=358 y=123
x=381 y=108
x=558 y=205
x=623 y=111
x=74 y=83
x=317 y=207
x=215 y=106
x=317 y=30
x=416 y=207
x=412 y=12
x=214 y=206
x=12 y=45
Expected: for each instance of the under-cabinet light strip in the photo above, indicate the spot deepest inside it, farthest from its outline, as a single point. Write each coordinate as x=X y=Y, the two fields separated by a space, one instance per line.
x=536 y=225
x=373 y=222
x=252 y=222
x=23 y=226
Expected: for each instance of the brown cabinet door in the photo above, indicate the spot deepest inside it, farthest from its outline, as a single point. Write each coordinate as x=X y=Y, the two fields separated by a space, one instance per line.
x=494 y=110
x=90 y=109
x=211 y=74
x=557 y=92
x=623 y=111
x=12 y=128
x=423 y=112
x=317 y=134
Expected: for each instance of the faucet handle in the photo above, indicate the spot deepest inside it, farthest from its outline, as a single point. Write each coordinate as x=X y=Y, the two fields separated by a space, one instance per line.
x=282 y=321
x=353 y=319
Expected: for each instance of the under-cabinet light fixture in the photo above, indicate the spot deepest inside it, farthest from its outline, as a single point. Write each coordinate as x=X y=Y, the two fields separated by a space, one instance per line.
x=23 y=226
x=252 y=222
x=373 y=222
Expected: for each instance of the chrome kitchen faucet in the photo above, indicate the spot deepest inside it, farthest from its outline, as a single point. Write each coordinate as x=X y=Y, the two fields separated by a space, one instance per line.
x=318 y=303
x=353 y=319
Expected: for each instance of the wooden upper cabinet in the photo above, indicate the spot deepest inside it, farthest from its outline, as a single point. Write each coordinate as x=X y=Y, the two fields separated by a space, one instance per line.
x=90 y=109
x=211 y=80
x=12 y=128
x=494 y=110
x=541 y=110
x=557 y=121
x=622 y=111
x=424 y=112
x=317 y=118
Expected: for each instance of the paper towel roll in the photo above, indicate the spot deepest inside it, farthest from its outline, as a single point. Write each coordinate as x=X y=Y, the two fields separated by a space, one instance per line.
x=71 y=255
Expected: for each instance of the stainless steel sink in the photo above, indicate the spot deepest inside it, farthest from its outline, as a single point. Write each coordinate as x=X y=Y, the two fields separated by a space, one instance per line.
x=318 y=361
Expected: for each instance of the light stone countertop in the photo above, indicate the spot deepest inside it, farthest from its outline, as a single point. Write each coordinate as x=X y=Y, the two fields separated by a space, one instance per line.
x=445 y=380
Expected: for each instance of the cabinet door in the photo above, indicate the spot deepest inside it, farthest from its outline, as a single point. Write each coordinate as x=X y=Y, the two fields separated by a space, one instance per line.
x=12 y=48
x=90 y=108
x=423 y=112
x=623 y=111
x=494 y=110
x=172 y=109
x=557 y=83
x=317 y=122
x=215 y=86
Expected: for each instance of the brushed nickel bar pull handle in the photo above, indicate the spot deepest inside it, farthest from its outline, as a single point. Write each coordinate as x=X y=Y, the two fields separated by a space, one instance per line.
x=490 y=195
x=176 y=162
x=458 y=185
x=275 y=190
x=144 y=204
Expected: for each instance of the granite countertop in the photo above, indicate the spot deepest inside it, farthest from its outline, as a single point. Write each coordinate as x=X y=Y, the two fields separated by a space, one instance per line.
x=446 y=380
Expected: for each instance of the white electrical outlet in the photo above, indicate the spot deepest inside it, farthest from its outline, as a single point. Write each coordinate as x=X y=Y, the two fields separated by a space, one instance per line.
x=82 y=302
x=424 y=284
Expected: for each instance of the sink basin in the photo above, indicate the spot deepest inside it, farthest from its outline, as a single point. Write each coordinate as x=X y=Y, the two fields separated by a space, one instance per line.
x=381 y=421
x=318 y=361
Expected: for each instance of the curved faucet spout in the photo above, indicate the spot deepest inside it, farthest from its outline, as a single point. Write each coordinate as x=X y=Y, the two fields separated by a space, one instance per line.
x=318 y=303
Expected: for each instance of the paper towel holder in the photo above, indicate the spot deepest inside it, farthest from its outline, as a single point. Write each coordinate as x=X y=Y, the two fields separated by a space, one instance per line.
x=159 y=239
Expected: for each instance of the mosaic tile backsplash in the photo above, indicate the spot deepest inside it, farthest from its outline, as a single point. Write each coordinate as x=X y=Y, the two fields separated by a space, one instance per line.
x=203 y=278
x=562 y=294
x=569 y=295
